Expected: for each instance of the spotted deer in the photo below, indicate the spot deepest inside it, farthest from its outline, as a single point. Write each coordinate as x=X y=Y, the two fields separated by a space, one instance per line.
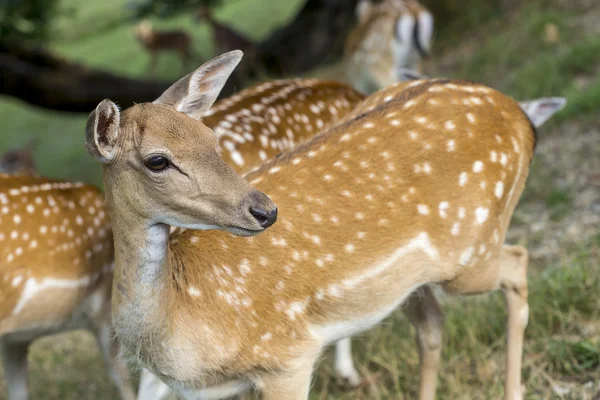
x=417 y=188
x=390 y=36
x=56 y=255
x=155 y=41
x=19 y=160
x=261 y=122
x=284 y=113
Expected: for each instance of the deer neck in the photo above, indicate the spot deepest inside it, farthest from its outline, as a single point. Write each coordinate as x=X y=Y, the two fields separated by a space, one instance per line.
x=141 y=286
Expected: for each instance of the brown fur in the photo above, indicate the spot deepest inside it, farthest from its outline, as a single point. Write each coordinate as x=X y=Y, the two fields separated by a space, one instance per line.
x=261 y=122
x=349 y=200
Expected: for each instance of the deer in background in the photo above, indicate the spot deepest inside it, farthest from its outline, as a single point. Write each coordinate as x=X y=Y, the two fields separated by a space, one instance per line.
x=309 y=280
x=19 y=160
x=155 y=41
x=389 y=37
x=227 y=39
x=57 y=257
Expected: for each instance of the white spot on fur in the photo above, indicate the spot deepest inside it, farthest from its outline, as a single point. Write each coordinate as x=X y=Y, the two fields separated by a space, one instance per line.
x=477 y=166
x=423 y=209
x=462 y=179
x=466 y=256
x=499 y=190
x=481 y=214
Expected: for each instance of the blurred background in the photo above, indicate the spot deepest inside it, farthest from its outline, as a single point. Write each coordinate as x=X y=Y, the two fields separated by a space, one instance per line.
x=59 y=58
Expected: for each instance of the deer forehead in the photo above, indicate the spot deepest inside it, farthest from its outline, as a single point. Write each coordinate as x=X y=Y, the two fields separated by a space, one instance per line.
x=151 y=125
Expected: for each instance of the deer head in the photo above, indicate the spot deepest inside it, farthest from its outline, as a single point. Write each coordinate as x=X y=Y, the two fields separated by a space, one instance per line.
x=167 y=158
x=143 y=30
x=19 y=161
x=390 y=35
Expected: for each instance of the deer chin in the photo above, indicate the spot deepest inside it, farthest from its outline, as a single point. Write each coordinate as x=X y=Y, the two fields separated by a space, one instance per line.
x=243 y=232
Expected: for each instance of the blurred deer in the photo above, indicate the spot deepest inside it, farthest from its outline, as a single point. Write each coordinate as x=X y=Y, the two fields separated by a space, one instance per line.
x=226 y=39
x=19 y=160
x=155 y=41
x=390 y=37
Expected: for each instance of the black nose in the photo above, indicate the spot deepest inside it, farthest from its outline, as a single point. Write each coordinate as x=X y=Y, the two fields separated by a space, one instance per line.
x=264 y=218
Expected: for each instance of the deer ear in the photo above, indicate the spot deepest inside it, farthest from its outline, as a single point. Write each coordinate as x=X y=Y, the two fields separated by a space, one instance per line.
x=405 y=28
x=102 y=130
x=363 y=9
x=196 y=92
x=541 y=110
x=425 y=31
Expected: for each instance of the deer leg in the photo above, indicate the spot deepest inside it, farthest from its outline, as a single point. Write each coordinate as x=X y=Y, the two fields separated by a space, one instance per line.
x=343 y=363
x=118 y=371
x=424 y=312
x=152 y=388
x=289 y=385
x=14 y=360
x=509 y=273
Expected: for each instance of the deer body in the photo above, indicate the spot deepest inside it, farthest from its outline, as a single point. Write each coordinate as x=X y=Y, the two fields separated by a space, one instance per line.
x=394 y=198
x=265 y=120
x=155 y=42
x=57 y=261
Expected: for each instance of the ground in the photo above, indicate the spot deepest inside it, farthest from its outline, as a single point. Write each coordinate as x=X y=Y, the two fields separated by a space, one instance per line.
x=558 y=218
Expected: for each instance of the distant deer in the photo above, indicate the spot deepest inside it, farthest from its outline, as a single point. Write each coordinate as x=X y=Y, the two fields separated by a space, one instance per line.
x=56 y=257
x=155 y=41
x=389 y=37
x=395 y=196
x=19 y=160
x=227 y=39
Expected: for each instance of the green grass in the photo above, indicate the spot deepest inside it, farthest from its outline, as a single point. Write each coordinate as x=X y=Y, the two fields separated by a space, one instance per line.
x=515 y=58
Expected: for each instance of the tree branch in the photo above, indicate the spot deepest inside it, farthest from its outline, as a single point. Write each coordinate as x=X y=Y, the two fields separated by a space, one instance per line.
x=41 y=79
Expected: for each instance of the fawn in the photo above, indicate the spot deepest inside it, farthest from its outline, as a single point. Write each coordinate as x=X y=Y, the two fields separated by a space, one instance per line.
x=56 y=255
x=369 y=214
x=155 y=41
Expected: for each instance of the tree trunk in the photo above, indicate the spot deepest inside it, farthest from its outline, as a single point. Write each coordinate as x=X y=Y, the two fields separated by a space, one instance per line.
x=315 y=37
x=41 y=79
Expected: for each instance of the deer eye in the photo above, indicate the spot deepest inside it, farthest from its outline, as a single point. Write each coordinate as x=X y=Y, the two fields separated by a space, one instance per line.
x=157 y=163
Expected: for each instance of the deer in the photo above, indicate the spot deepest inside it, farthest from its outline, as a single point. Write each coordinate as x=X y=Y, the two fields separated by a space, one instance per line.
x=390 y=37
x=57 y=258
x=155 y=41
x=248 y=293
x=226 y=39
x=19 y=160
x=259 y=122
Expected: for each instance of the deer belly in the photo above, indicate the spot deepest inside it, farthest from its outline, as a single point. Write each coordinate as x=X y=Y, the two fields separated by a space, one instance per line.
x=47 y=303
x=329 y=332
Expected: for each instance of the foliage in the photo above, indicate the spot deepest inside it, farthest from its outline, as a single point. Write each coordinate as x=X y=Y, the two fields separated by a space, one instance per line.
x=27 y=20
x=167 y=8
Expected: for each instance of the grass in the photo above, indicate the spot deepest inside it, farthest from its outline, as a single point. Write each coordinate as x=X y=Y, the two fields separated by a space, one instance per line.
x=517 y=60
x=562 y=348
